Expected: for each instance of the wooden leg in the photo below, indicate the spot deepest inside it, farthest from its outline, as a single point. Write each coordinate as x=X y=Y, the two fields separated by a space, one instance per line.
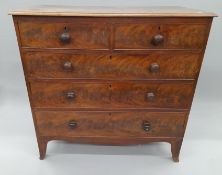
x=175 y=149
x=42 y=148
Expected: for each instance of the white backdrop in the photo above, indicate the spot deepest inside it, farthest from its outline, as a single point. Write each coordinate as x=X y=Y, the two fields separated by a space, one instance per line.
x=201 y=151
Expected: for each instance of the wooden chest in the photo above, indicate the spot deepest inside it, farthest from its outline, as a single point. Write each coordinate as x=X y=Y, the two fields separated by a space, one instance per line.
x=113 y=76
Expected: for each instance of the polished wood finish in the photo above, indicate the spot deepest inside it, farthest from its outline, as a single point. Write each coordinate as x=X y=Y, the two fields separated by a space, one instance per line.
x=126 y=36
x=171 y=65
x=160 y=36
x=64 y=35
x=91 y=95
x=105 y=77
x=112 y=95
x=121 y=124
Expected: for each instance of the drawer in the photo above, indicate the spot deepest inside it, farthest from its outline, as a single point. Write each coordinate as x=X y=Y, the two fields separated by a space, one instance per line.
x=64 y=35
x=111 y=95
x=160 y=36
x=153 y=65
x=151 y=95
x=113 y=124
x=70 y=95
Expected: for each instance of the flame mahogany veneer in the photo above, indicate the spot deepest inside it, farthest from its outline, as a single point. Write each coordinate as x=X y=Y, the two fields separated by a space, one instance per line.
x=112 y=77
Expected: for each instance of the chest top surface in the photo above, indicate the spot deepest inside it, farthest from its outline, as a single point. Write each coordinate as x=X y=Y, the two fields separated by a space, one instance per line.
x=97 y=11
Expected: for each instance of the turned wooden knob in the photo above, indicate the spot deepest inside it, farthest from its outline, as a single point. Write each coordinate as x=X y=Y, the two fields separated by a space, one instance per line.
x=65 y=37
x=72 y=124
x=157 y=40
x=150 y=96
x=146 y=126
x=154 y=67
x=67 y=66
x=70 y=95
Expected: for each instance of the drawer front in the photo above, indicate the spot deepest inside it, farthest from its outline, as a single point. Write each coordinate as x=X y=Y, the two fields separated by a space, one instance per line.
x=137 y=124
x=154 y=65
x=112 y=95
x=151 y=95
x=157 y=36
x=64 y=35
x=70 y=95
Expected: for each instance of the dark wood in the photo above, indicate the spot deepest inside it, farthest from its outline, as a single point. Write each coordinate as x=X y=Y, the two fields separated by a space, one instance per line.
x=114 y=20
x=51 y=35
x=112 y=95
x=171 y=65
x=121 y=124
x=72 y=124
x=158 y=36
x=65 y=37
x=42 y=147
x=111 y=80
x=70 y=95
x=175 y=149
x=67 y=66
x=146 y=126
x=150 y=96
x=157 y=39
x=89 y=95
x=154 y=67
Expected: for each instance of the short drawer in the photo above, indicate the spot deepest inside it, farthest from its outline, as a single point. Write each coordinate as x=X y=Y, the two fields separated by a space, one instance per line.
x=160 y=36
x=153 y=65
x=64 y=35
x=111 y=95
x=113 y=124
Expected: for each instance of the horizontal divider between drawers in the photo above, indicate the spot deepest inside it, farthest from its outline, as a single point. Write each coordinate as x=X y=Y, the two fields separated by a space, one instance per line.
x=68 y=80
x=112 y=109
x=109 y=51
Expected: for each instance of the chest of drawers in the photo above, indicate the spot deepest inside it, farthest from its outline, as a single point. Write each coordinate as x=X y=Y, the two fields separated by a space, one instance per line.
x=110 y=75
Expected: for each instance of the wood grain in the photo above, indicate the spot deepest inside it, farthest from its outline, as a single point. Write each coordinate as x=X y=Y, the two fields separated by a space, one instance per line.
x=112 y=95
x=90 y=69
x=173 y=65
x=47 y=35
x=126 y=36
x=121 y=124
x=139 y=36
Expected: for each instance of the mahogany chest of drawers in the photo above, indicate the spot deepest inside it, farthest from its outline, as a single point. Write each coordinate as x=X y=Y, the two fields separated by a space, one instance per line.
x=110 y=75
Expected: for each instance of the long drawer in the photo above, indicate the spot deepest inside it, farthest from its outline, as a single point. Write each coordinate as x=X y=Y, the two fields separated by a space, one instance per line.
x=111 y=95
x=114 y=124
x=153 y=65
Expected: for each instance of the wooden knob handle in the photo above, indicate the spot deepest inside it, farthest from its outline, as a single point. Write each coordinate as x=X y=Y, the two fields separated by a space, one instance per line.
x=67 y=66
x=72 y=124
x=65 y=37
x=70 y=95
x=150 y=96
x=146 y=126
x=154 y=68
x=157 y=40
